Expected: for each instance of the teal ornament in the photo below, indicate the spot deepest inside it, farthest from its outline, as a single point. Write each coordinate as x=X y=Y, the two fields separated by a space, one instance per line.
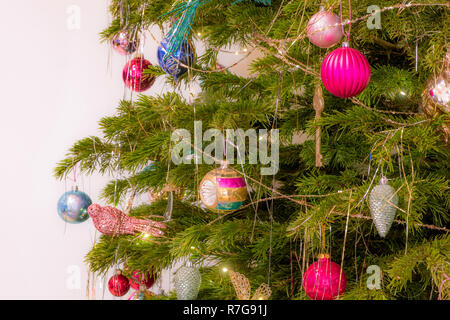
x=383 y=202
x=185 y=13
x=151 y=167
x=263 y=2
x=72 y=206
x=187 y=283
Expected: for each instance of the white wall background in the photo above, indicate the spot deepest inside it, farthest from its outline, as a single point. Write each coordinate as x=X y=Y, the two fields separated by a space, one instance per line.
x=56 y=84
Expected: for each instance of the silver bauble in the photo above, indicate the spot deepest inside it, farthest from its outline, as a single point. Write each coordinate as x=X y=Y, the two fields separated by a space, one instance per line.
x=187 y=283
x=382 y=203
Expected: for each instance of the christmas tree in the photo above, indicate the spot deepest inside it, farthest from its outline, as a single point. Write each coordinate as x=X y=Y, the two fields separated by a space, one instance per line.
x=319 y=196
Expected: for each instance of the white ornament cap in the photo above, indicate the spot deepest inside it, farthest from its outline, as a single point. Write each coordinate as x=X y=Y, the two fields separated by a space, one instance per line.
x=383 y=180
x=223 y=164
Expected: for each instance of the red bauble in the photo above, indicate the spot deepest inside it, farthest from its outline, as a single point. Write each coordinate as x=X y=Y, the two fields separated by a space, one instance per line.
x=345 y=72
x=137 y=279
x=321 y=279
x=133 y=74
x=118 y=285
x=323 y=29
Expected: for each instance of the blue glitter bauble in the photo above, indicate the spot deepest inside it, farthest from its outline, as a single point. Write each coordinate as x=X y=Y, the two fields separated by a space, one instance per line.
x=185 y=54
x=73 y=205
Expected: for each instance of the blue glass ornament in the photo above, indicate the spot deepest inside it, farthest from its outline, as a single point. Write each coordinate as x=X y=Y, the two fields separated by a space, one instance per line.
x=184 y=54
x=73 y=205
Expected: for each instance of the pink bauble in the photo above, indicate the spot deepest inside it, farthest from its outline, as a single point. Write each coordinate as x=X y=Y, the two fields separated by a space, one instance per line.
x=133 y=74
x=323 y=29
x=124 y=43
x=137 y=279
x=118 y=285
x=345 y=72
x=321 y=279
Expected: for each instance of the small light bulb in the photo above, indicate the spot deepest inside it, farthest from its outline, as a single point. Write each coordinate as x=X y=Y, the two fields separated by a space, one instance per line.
x=402 y=93
x=236 y=53
x=245 y=49
x=146 y=236
x=192 y=247
x=224 y=269
x=260 y=298
x=199 y=34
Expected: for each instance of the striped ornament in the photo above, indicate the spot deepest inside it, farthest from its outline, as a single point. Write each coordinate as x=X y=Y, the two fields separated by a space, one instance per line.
x=223 y=189
x=345 y=72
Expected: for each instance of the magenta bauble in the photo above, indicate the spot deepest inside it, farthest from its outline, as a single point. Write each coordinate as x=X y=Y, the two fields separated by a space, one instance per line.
x=324 y=279
x=118 y=285
x=345 y=72
x=133 y=74
x=124 y=43
x=137 y=279
x=324 y=29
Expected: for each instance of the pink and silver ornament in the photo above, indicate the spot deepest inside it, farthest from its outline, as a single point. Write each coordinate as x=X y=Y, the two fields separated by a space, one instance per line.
x=124 y=43
x=324 y=29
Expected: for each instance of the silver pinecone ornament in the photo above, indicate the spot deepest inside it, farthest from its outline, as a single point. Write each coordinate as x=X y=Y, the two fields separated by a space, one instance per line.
x=382 y=199
x=187 y=283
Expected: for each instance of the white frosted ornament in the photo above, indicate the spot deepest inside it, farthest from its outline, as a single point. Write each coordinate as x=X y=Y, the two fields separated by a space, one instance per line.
x=187 y=283
x=240 y=63
x=383 y=202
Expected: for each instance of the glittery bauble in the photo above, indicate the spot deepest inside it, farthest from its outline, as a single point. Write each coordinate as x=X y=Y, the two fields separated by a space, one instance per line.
x=133 y=74
x=345 y=72
x=187 y=282
x=324 y=279
x=440 y=92
x=323 y=29
x=73 y=206
x=439 y=87
x=137 y=279
x=223 y=189
x=124 y=43
x=118 y=285
x=111 y=221
x=436 y=96
x=382 y=202
x=185 y=54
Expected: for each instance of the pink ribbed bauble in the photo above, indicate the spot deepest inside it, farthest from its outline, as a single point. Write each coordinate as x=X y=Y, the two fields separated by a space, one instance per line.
x=321 y=279
x=345 y=72
x=323 y=29
x=133 y=74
